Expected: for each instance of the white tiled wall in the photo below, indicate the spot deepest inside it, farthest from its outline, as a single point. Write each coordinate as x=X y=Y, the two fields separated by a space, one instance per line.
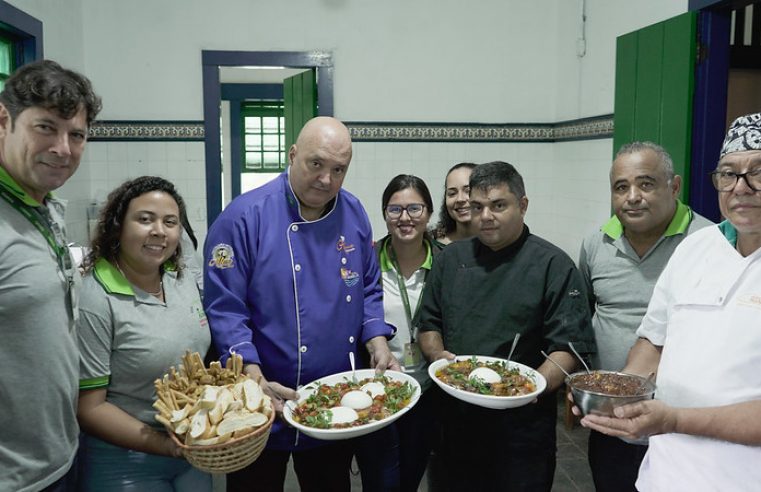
x=567 y=183
x=580 y=196
x=108 y=164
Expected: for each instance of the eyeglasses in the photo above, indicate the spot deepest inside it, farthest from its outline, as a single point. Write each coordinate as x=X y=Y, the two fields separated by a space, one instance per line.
x=414 y=210
x=727 y=180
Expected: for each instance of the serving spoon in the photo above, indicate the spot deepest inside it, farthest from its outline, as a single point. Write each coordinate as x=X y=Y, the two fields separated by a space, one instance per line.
x=570 y=345
x=512 y=349
x=353 y=367
x=558 y=365
x=646 y=381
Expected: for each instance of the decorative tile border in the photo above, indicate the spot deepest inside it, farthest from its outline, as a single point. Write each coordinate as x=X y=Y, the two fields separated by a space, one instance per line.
x=581 y=129
x=151 y=131
x=584 y=129
x=447 y=132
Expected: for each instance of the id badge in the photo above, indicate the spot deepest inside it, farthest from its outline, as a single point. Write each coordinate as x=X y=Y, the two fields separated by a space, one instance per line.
x=413 y=357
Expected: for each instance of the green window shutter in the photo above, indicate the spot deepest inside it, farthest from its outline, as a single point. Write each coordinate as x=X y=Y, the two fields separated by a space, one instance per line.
x=300 y=103
x=263 y=136
x=655 y=69
x=7 y=60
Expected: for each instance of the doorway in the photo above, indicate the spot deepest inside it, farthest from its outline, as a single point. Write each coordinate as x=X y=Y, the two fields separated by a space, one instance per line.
x=262 y=111
x=212 y=64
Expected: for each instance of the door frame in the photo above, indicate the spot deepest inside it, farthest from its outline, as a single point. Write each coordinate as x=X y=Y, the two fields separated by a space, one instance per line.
x=211 y=61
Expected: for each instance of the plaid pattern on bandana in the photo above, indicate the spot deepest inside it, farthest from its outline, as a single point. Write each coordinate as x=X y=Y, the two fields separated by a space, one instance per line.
x=743 y=134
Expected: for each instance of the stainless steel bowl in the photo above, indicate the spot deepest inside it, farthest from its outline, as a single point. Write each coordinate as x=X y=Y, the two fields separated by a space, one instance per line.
x=598 y=403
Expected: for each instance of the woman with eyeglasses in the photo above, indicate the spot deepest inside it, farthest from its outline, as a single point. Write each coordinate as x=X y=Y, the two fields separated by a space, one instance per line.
x=454 y=214
x=405 y=256
x=140 y=310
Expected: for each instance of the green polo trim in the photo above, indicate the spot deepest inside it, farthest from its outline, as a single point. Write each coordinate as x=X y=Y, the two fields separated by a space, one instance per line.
x=680 y=221
x=385 y=260
x=11 y=184
x=729 y=232
x=111 y=279
x=94 y=383
x=678 y=225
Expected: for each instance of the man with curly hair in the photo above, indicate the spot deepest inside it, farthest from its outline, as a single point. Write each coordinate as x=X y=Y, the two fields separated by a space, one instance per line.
x=45 y=114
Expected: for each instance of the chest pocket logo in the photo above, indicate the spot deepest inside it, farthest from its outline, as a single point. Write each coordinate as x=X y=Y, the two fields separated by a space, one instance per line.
x=199 y=313
x=349 y=277
x=342 y=245
x=750 y=300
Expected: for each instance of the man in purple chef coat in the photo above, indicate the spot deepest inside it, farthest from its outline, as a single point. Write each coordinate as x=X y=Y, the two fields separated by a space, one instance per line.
x=292 y=285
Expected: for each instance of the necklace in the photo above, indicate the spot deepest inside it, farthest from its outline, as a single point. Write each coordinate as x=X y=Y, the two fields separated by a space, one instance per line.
x=154 y=294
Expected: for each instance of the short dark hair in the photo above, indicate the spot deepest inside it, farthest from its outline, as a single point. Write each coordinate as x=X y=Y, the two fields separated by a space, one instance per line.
x=402 y=182
x=667 y=164
x=48 y=85
x=446 y=223
x=105 y=243
x=498 y=173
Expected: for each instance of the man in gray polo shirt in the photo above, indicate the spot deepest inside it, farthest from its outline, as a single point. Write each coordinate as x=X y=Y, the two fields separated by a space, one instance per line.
x=45 y=113
x=620 y=264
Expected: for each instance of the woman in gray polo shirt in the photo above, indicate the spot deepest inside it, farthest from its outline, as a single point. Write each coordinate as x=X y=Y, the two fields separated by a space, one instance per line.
x=138 y=314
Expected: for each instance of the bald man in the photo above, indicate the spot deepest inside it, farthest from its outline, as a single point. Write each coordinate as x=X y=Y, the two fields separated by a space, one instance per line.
x=292 y=285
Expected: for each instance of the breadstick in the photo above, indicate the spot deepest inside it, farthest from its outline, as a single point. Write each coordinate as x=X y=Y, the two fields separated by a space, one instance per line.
x=175 y=406
x=237 y=364
x=163 y=410
x=179 y=396
x=197 y=358
x=164 y=421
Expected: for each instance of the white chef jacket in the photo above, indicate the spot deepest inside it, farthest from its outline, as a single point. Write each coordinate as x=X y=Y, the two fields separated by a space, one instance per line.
x=706 y=313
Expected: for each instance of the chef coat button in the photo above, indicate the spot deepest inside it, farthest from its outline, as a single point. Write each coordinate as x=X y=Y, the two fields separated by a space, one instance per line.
x=348 y=298
x=303 y=348
x=721 y=299
x=343 y=260
x=294 y=228
x=297 y=267
x=351 y=339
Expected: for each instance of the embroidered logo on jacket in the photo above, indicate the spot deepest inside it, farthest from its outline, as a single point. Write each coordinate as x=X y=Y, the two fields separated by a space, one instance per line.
x=342 y=245
x=350 y=278
x=222 y=256
x=197 y=309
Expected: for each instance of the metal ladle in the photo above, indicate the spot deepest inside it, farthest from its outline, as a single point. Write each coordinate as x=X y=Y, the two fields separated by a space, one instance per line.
x=556 y=364
x=570 y=345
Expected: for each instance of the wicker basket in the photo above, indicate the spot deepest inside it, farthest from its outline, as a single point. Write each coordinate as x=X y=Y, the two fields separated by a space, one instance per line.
x=229 y=456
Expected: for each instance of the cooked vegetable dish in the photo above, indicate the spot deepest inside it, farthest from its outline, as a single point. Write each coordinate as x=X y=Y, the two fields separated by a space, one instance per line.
x=609 y=384
x=510 y=382
x=351 y=404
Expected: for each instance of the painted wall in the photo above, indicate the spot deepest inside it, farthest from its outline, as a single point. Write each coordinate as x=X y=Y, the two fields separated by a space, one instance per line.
x=587 y=83
x=428 y=60
x=394 y=59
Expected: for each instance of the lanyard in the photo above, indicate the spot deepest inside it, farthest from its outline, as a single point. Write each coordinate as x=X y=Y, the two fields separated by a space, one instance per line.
x=41 y=220
x=403 y=290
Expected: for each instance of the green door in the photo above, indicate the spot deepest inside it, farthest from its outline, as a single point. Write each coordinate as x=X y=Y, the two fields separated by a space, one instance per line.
x=299 y=102
x=655 y=79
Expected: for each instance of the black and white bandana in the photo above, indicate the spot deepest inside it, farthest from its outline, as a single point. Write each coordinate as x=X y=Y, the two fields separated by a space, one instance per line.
x=744 y=134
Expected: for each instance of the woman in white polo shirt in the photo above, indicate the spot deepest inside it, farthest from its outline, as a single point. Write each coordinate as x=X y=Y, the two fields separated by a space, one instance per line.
x=139 y=312
x=405 y=256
